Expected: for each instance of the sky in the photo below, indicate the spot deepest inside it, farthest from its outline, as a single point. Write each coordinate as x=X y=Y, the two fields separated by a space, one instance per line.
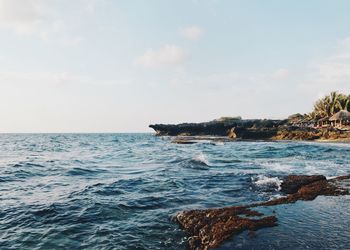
x=118 y=66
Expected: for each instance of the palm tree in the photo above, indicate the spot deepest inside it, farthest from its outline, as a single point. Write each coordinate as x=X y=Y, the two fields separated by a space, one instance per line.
x=343 y=102
x=330 y=104
x=333 y=101
x=322 y=107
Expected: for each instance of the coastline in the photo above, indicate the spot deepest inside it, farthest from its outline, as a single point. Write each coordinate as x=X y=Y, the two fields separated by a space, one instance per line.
x=250 y=130
x=333 y=140
x=210 y=228
x=213 y=227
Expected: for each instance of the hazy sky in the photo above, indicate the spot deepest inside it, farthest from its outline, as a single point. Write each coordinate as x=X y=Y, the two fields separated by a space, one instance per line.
x=117 y=66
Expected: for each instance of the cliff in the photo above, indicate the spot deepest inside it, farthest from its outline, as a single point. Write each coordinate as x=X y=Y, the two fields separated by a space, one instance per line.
x=233 y=128
x=250 y=130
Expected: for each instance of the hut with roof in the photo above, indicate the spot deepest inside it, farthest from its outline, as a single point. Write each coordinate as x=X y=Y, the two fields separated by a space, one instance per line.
x=323 y=122
x=340 y=118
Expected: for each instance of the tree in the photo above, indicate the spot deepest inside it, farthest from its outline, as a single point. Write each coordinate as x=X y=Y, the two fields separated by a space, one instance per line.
x=330 y=104
x=343 y=102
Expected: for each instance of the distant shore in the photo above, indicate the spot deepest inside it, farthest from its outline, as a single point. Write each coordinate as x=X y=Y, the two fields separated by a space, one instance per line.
x=238 y=129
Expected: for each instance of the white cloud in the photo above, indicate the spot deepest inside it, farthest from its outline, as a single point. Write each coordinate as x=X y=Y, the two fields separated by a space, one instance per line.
x=167 y=56
x=24 y=17
x=46 y=20
x=192 y=32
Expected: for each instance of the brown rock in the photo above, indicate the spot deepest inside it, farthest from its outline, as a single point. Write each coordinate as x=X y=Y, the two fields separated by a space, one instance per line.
x=231 y=133
x=209 y=228
x=292 y=183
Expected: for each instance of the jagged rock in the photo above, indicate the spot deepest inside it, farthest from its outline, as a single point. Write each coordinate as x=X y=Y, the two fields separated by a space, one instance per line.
x=210 y=227
x=308 y=134
x=245 y=129
x=251 y=130
x=231 y=134
x=292 y=183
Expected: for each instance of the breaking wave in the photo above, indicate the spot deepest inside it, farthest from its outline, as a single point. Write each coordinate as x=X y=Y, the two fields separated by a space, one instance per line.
x=202 y=159
x=265 y=181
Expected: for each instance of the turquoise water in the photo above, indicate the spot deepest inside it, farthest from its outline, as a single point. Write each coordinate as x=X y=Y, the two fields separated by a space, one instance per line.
x=120 y=191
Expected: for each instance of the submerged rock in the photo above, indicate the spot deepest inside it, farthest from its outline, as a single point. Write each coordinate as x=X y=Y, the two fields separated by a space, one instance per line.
x=200 y=139
x=210 y=227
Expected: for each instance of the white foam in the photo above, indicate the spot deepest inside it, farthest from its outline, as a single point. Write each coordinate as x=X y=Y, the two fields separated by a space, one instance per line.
x=219 y=143
x=262 y=180
x=202 y=158
x=277 y=166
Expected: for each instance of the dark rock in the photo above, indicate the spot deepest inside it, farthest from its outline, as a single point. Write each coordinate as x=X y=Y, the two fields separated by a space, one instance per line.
x=184 y=141
x=200 y=139
x=309 y=133
x=292 y=183
x=310 y=192
x=340 y=178
x=235 y=128
x=252 y=130
x=210 y=227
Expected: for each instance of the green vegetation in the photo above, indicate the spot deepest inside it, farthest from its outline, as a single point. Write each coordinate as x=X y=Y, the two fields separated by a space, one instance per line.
x=330 y=104
x=324 y=108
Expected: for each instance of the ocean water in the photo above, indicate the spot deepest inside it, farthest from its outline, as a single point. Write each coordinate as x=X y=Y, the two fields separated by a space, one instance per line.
x=121 y=191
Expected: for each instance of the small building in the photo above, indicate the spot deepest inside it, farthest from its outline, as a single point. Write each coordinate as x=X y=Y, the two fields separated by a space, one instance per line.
x=341 y=118
x=323 y=122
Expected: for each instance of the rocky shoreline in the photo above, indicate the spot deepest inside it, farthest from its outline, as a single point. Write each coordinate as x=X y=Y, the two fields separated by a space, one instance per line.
x=236 y=129
x=209 y=228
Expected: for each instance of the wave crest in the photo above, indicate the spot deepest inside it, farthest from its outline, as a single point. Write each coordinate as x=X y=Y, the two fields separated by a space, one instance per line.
x=267 y=182
x=201 y=158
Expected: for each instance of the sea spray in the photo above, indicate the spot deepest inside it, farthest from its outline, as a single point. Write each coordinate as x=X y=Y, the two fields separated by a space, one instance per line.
x=201 y=158
x=265 y=181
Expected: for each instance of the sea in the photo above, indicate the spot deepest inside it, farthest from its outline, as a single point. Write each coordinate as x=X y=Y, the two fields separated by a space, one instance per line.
x=122 y=191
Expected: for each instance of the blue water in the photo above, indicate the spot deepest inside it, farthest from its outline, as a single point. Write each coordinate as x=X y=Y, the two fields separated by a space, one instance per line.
x=120 y=191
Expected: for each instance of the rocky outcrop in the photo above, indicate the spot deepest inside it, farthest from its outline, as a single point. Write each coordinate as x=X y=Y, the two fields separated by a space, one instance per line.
x=251 y=130
x=292 y=183
x=210 y=227
x=306 y=133
x=316 y=185
x=297 y=133
x=236 y=128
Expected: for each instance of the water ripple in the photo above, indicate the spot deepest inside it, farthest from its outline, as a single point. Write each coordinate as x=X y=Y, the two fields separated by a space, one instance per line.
x=120 y=191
